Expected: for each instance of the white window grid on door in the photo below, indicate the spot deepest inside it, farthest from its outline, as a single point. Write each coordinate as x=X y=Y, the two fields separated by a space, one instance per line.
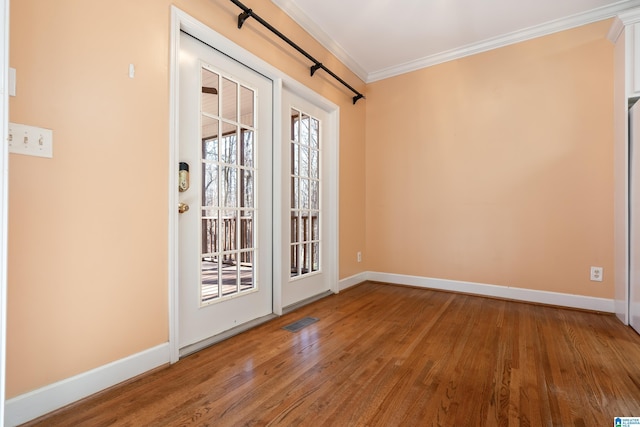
x=228 y=169
x=306 y=187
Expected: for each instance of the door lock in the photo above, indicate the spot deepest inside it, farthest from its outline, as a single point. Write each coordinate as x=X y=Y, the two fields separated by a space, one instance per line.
x=183 y=207
x=183 y=177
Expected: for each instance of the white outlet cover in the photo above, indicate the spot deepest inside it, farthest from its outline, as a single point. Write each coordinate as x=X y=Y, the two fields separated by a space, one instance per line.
x=596 y=274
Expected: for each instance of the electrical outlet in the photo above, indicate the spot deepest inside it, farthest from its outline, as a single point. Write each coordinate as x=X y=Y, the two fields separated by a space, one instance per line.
x=359 y=255
x=596 y=274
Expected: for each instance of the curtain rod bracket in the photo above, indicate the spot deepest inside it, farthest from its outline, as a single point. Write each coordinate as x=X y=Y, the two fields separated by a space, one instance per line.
x=315 y=68
x=357 y=97
x=243 y=17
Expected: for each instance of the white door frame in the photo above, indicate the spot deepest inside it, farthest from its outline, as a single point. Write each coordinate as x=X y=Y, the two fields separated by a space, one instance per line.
x=4 y=167
x=182 y=21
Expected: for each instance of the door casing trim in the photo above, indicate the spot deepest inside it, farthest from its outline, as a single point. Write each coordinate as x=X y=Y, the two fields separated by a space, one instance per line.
x=4 y=188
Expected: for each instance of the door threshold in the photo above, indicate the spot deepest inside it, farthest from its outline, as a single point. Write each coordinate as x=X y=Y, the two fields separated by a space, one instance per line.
x=297 y=305
x=195 y=347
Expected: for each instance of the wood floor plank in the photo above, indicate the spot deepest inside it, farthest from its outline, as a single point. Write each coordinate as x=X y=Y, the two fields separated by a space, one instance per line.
x=384 y=355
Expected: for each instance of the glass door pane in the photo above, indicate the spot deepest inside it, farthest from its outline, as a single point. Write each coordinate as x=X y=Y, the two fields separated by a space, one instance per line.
x=228 y=189
x=305 y=194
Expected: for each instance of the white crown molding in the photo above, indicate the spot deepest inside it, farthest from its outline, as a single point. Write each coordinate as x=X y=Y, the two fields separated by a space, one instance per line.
x=301 y=18
x=616 y=29
x=629 y=16
x=509 y=39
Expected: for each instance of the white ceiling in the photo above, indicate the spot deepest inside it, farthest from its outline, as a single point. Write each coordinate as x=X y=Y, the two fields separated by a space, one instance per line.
x=377 y=39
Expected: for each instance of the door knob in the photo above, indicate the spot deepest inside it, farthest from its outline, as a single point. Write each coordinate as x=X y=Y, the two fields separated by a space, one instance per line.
x=183 y=207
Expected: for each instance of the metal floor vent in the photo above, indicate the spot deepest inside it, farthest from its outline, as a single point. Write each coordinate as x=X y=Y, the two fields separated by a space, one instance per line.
x=302 y=323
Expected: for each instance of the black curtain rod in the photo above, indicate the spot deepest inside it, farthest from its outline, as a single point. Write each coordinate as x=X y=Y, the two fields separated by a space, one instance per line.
x=317 y=65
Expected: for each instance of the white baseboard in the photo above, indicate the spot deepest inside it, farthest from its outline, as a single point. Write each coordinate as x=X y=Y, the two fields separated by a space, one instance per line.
x=36 y=403
x=519 y=294
x=352 y=281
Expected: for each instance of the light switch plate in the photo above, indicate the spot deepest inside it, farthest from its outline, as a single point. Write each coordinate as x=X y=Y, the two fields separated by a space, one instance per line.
x=30 y=140
x=12 y=82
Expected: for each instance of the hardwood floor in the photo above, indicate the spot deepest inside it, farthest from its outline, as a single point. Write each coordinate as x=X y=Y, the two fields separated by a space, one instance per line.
x=383 y=355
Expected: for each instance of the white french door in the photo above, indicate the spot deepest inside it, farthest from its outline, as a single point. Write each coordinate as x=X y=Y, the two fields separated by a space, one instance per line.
x=309 y=202
x=225 y=195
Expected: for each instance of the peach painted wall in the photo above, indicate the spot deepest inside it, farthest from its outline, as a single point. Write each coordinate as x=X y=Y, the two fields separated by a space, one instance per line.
x=497 y=168
x=87 y=279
